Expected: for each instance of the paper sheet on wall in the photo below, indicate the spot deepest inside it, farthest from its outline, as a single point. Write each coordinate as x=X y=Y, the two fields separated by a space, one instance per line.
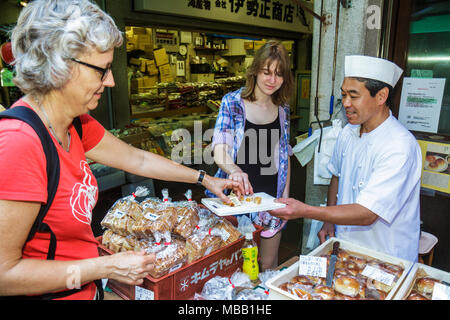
x=420 y=103
x=436 y=165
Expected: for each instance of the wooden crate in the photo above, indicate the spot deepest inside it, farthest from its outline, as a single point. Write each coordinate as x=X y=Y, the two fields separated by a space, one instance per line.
x=183 y=283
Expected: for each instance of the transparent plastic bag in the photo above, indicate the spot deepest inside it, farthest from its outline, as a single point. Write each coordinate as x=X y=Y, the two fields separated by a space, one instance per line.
x=121 y=217
x=169 y=259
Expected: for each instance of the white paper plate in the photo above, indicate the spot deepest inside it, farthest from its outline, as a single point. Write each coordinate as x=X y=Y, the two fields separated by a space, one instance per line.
x=267 y=203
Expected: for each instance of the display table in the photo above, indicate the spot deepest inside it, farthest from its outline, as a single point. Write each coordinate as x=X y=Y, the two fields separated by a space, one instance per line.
x=291 y=261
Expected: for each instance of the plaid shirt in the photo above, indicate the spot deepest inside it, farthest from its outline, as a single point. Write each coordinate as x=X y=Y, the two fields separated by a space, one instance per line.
x=229 y=129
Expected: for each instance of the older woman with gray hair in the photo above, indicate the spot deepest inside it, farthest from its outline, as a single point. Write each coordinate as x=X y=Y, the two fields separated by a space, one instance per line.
x=63 y=53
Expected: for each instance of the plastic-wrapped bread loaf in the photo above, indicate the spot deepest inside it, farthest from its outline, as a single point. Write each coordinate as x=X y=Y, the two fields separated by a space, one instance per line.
x=166 y=221
x=200 y=244
x=207 y=219
x=121 y=216
x=187 y=221
x=106 y=237
x=171 y=258
x=116 y=242
x=227 y=232
x=142 y=228
x=152 y=202
x=155 y=221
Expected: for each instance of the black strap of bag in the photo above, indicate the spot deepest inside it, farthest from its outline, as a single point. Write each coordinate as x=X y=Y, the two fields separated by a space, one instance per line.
x=31 y=118
x=53 y=174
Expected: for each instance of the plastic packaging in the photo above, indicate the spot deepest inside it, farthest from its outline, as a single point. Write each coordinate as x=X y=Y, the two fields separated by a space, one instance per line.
x=187 y=221
x=245 y=224
x=202 y=243
x=170 y=258
x=124 y=213
x=250 y=254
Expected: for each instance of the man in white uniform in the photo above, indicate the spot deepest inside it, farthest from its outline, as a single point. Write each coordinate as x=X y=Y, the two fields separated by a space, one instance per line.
x=373 y=197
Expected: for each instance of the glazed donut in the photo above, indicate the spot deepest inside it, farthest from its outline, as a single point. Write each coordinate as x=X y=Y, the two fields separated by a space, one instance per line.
x=286 y=286
x=352 y=268
x=340 y=264
x=301 y=293
x=340 y=296
x=303 y=280
x=430 y=158
x=360 y=262
x=341 y=272
x=374 y=284
x=347 y=285
x=416 y=296
x=391 y=268
x=425 y=285
x=326 y=293
x=342 y=255
x=440 y=162
x=433 y=164
x=316 y=280
x=362 y=291
x=381 y=295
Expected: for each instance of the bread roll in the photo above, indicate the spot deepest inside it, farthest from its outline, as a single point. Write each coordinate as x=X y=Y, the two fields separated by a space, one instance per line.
x=425 y=285
x=347 y=285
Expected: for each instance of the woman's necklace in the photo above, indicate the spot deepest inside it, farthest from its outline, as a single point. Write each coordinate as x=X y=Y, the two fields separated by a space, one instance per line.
x=53 y=131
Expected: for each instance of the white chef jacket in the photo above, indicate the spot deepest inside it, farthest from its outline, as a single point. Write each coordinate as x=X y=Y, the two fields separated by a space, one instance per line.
x=381 y=171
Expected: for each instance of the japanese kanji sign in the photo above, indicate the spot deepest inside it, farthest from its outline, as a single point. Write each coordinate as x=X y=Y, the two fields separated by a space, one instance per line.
x=275 y=14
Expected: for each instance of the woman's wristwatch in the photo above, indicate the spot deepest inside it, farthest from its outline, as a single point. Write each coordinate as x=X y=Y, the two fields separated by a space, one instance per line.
x=201 y=176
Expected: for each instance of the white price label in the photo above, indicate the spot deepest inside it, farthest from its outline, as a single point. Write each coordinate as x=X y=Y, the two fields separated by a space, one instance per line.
x=151 y=216
x=312 y=266
x=119 y=214
x=143 y=294
x=378 y=275
x=441 y=292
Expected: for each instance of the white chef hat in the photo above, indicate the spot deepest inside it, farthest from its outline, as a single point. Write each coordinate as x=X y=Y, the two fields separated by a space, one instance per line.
x=372 y=68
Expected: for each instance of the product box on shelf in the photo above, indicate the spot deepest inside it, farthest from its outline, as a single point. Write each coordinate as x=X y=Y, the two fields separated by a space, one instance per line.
x=165 y=73
x=419 y=270
x=275 y=293
x=183 y=283
x=161 y=57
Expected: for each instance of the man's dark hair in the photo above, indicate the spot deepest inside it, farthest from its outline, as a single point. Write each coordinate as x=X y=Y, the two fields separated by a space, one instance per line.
x=374 y=86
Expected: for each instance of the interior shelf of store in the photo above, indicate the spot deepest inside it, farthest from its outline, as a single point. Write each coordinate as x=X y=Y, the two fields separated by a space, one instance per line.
x=209 y=49
x=135 y=139
x=168 y=113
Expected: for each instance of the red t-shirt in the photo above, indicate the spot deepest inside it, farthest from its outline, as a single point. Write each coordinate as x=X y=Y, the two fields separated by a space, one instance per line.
x=23 y=177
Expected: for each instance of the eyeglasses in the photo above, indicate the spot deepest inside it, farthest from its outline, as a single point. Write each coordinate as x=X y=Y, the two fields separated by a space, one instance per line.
x=103 y=71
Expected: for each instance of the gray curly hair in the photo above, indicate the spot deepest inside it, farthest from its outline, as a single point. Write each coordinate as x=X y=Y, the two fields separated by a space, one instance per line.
x=51 y=32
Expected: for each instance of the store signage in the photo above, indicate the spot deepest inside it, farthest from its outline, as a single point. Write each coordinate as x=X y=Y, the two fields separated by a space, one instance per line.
x=274 y=14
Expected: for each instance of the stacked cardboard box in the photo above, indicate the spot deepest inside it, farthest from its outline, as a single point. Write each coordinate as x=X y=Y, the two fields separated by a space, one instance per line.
x=139 y=38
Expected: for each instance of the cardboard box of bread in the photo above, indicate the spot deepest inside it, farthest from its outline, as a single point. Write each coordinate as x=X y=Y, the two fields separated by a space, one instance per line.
x=425 y=283
x=182 y=234
x=360 y=273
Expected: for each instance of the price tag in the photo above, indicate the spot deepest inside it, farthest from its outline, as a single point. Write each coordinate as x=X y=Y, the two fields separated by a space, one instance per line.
x=378 y=275
x=143 y=294
x=441 y=292
x=151 y=216
x=312 y=266
x=119 y=214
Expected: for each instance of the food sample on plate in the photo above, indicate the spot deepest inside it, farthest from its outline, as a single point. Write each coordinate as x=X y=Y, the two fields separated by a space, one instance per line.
x=238 y=201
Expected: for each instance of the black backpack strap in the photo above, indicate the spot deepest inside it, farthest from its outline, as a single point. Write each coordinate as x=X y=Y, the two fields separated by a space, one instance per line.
x=53 y=171
x=77 y=124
